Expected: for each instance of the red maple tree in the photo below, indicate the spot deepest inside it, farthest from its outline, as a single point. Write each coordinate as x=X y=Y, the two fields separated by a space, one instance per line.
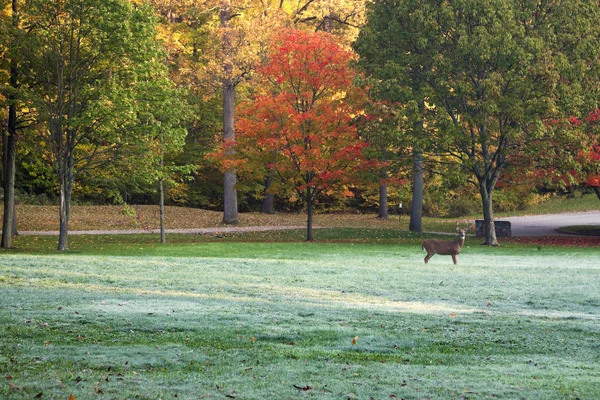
x=299 y=128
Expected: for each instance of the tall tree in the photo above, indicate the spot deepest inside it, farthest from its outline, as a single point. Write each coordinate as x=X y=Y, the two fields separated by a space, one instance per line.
x=91 y=55
x=500 y=68
x=399 y=58
x=301 y=127
x=9 y=142
x=220 y=42
x=230 y=207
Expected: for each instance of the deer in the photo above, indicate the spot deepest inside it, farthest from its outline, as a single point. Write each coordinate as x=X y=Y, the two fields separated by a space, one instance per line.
x=444 y=247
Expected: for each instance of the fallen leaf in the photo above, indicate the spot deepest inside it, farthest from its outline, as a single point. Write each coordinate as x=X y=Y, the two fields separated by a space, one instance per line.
x=305 y=388
x=354 y=339
x=71 y=397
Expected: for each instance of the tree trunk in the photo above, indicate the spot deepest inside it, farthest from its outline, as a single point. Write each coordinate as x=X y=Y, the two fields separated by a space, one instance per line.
x=597 y=191
x=230 y=208
x=416 y=210
x=9 y=222
x=161 y=191
x=9 y=218
x=383 y=202
x=230 y=211
x=267 y=205
x=488 y=214
x=309 y=211
x=66 y=187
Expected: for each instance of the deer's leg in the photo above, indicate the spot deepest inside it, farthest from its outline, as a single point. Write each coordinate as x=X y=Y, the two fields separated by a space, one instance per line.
x=454 y=258
x=428 y=256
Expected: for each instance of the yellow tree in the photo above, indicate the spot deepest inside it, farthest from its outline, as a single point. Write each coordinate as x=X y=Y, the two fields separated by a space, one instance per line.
x=215 y=44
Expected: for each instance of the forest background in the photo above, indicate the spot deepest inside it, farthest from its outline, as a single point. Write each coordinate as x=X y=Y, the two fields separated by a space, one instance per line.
x=134 y=102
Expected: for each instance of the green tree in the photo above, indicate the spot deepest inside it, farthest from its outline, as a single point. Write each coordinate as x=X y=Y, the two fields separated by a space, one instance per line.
x=399 y=56
x=500 y=68
x=92 y=56
x=11 y=49
x=161 y=115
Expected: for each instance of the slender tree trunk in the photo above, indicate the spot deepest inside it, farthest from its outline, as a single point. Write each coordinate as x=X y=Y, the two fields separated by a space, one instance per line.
x=309 y=211
x=161 y=191
x=267 y=205
x=383 y=202
x=488 y=214
x=66 y=188
x=416 y=210
x=230 y=207
x=9 y=223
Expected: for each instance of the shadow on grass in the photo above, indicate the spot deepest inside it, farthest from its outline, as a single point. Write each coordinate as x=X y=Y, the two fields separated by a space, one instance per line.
x=582 y=230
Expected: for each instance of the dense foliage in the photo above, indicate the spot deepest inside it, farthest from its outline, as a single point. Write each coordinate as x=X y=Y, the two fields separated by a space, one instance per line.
x=106 y=100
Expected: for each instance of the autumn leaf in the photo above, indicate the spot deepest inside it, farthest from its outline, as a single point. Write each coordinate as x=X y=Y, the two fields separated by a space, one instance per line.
x=354 y=339
x=305 y=388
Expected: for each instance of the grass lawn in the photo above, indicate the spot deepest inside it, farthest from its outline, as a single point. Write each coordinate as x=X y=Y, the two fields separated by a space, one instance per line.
x=125 y=318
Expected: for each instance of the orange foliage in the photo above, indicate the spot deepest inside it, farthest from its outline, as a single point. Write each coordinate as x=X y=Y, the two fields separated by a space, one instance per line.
x=300 y=122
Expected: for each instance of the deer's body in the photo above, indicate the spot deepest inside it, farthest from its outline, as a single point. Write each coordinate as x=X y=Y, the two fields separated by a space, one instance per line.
x=445 y=247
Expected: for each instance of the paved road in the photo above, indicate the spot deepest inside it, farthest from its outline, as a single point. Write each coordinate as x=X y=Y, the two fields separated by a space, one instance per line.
x=547 y=225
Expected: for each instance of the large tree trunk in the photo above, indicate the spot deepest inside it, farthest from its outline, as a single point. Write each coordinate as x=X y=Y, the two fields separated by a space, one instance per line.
x=9 y=222
x=230 y=208
x=488 y=214
x=267 y=204
x=383 y=202
x=309 y=211
x=416 y=210
x=230 y=211
x=10 y=141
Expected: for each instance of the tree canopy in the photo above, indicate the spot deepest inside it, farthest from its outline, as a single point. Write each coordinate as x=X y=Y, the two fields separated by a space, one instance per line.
x=300 y=128
x=494 y=71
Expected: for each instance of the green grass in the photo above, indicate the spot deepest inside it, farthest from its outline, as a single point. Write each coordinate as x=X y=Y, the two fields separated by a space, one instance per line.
x=125 y=318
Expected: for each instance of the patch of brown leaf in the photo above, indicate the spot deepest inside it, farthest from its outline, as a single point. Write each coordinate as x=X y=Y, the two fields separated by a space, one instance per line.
x=565 y=241
x=45 y=218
